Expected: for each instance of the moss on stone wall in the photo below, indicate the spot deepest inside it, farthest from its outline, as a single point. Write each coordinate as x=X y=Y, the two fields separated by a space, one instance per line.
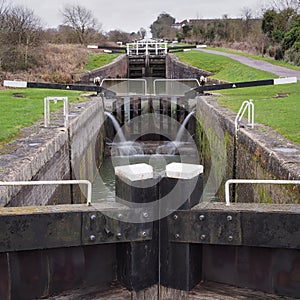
x=252 y=160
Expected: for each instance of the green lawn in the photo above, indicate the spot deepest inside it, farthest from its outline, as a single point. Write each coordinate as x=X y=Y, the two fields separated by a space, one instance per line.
x=17 y=113
x=99 y=60
x=224 y=68
x=282 y=114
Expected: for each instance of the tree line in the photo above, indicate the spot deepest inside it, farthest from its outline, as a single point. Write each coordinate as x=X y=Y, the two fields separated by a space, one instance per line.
x=276 y=32
x=21 y=34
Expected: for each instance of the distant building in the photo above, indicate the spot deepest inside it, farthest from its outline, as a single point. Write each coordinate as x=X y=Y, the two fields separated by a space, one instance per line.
x=179 y=25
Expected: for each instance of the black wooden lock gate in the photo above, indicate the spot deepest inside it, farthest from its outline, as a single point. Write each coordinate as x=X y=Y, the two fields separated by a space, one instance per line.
x=47 y=250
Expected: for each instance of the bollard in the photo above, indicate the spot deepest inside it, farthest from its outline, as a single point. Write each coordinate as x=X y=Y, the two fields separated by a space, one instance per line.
x=189 y=178
x=180 y=263
x=135 y=184
x=137 y=261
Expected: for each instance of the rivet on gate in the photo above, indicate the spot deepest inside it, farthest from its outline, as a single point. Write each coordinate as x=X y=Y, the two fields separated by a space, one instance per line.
x=230 y=238
x=145 y=215
x=229 y=218
x=144 y=234
x=203 y=237
x=92 y=238
x=120 y=216
x=175 y=217
x=201 y=217
x=177 y=236
x=93 y=217
x=119 y=235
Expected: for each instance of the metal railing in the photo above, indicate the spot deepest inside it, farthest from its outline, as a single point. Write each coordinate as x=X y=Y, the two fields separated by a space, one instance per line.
x=144 y=81
x=47 y=109
x=254 y=181
x=246 y=105
x=53 y=182
x=174 y=80
x=145 y=47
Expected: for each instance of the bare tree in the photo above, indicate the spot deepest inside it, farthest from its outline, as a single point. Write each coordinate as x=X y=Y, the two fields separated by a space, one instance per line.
x=285 y=4
x=3 y=11
x=3 y=8
x=246 y=16
x=81 y=20
x=20 y=33
x=22 y=26
x=119 y=36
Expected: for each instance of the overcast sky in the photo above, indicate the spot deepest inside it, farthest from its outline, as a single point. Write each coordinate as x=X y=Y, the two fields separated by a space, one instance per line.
x=131 y=15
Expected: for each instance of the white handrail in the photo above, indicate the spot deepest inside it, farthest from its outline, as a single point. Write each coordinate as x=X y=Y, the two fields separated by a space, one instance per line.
x=245 y=105
x=53 y=182
x=173 y=80
x=141 y=46
x=127 y=79
x=47 y=109
x=254 y=181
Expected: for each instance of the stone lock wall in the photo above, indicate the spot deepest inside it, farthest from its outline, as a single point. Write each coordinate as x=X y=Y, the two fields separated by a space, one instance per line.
x=117 y=68
x=251 y=156
x=55 y=153
x=86 y=142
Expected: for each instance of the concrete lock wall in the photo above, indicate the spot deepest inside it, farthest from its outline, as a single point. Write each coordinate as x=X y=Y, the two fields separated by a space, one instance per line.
x=117 y=68
x=55 y=154
x=252 y=156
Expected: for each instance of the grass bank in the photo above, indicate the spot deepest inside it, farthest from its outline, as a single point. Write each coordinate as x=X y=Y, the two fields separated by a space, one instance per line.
x=26 y=109
x=224 y=68
x=99 y=60
x=23 y=111
x=281 y=114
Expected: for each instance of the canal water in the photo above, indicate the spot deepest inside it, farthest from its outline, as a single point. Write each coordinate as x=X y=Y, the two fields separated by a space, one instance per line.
x=104 y=184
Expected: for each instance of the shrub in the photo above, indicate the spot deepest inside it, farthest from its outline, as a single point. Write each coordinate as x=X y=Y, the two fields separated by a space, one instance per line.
x=278 y=53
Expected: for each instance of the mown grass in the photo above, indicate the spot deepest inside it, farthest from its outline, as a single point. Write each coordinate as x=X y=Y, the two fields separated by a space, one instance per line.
x=222 y=67
x=281 y=114
x=17 y=113
x=99 y=60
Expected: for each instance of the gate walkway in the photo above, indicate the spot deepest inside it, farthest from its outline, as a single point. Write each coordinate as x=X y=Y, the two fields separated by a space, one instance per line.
x=208 y=291
x=258 y=64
